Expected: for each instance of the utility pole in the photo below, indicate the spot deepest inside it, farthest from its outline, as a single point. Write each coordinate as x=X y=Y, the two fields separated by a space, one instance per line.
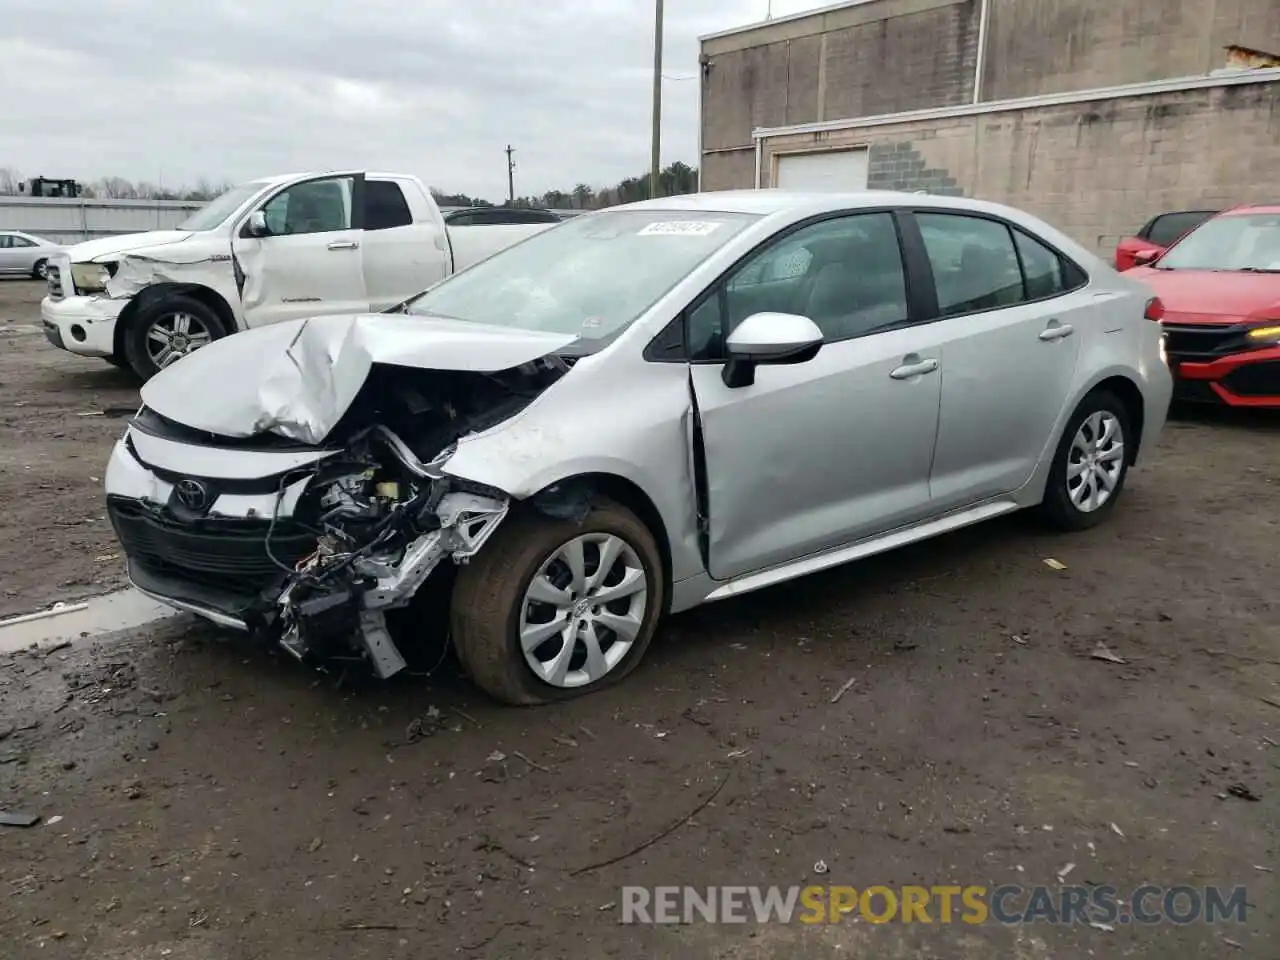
x=511 y=176
x=655 y=159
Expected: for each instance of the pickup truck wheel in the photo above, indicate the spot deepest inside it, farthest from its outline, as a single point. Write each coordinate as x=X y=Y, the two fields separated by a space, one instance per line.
x=552 y=609
x=167 y=331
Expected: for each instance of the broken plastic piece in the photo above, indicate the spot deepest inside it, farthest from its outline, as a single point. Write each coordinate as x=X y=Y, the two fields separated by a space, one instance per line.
x=10 y=818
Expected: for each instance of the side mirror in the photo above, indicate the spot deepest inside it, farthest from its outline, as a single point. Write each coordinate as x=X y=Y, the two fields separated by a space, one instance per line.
x=1144 y=257
x=771 y=338
x=256 y=225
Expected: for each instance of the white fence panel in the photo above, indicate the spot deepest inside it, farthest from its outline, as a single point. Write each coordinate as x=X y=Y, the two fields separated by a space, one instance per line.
x=70 y=221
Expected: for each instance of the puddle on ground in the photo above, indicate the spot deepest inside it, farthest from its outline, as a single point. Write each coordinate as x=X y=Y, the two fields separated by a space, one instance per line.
x=123 y=610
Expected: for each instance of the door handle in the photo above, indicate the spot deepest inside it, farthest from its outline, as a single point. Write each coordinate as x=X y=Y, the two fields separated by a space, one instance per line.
x=344 y=245
x=1057 y=331
x=914 y=369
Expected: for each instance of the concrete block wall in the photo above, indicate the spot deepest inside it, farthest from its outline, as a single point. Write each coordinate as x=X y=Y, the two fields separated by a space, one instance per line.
x=1054 y=46
x=1096 y=170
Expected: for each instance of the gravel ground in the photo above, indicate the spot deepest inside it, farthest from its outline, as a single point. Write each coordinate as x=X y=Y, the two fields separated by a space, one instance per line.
x=215 y=800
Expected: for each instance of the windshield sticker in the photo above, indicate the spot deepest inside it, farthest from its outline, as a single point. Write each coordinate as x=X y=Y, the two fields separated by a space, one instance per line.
x=681 y=228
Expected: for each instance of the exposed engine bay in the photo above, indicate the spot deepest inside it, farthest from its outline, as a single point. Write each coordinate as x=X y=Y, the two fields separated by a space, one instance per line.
x=355 y=534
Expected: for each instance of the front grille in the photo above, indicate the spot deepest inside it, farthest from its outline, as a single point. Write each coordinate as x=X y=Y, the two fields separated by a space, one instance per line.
x=1255 y=379
x=227 y=553
x=1200 y=343
x=53 y=276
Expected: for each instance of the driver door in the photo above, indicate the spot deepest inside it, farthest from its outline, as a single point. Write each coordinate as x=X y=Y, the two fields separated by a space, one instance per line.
x=310 y=262
x=815 y=455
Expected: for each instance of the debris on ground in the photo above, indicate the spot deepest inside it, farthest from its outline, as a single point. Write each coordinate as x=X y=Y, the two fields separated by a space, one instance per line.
x=1066 y=869
x=1053 y=564
x=844 y=688
x=820 y=867
x=1241 y=791
x=1103 y=652
x=1117 y=831
x=13 y=818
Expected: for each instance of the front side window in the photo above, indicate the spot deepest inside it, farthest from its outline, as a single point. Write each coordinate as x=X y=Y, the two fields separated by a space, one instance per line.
x=315 y=206
x=216 y=211
x=845 y=274
x=975 y=266
x=1247 y=242
x=590 y=277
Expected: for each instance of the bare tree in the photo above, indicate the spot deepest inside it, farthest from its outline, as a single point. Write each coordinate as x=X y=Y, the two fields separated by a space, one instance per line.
x=10 y=181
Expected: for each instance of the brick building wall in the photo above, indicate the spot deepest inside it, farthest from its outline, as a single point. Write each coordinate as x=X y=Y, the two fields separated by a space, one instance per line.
x=1096 y=170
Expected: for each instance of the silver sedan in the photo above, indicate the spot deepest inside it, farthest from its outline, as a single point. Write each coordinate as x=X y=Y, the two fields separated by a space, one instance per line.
x=25 y=254
x=636 y=412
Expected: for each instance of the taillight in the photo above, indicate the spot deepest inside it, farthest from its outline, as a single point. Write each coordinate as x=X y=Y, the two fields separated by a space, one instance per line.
x=1155 y=310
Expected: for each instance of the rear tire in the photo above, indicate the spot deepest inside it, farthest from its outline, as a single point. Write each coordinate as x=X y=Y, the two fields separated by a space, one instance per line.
x=40 y=271
x=1090 y=465
x=598 y=641
x=169 y=317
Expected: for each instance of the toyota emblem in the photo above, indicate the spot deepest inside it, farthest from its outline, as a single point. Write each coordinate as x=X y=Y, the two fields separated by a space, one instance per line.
x=192 y=494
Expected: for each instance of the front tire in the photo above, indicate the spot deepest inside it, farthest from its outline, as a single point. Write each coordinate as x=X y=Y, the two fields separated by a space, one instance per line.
x=553 y=609
x=1090 y=464
x=164 y=332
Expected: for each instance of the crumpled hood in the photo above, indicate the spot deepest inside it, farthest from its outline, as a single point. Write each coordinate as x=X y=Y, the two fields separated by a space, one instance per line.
x=1215 y=296
x=296 y=379
x=91 y=250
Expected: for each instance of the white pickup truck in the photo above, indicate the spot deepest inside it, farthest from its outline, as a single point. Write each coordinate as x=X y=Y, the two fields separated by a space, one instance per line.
x=269 y=250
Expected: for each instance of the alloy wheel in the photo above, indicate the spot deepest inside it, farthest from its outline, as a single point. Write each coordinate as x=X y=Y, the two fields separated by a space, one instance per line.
x=583 y=610
x=174 y=335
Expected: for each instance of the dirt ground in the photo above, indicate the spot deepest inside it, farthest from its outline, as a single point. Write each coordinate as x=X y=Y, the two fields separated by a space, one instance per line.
x=207 y=800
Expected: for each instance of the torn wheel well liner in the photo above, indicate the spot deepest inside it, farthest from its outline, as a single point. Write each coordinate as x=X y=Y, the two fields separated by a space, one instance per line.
x=562 y=497
x=150 y=296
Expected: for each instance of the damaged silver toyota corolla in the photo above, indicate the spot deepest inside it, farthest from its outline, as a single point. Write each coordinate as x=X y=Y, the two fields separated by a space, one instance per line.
x=634 y=413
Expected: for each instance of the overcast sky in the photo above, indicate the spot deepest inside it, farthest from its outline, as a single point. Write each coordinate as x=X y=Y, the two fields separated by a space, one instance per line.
x=171 y=91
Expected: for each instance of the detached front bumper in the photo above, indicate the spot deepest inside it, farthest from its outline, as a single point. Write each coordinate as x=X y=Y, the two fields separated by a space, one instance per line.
x=82 y=325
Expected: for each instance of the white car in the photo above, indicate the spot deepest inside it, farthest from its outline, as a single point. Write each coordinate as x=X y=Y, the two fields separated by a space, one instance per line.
x=280 y=248
x=25 y=254
x=640 y=411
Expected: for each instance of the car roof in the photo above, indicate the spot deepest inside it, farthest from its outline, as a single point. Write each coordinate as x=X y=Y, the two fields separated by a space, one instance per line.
x=1245 y=209
x=767 y=202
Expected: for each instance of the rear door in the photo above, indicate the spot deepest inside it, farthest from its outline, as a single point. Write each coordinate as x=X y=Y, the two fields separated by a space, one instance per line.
x=404 y=248
x=1011 y=312
x=310 y=263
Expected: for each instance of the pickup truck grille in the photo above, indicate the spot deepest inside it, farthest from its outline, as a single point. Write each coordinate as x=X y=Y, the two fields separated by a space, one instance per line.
x=54 y=279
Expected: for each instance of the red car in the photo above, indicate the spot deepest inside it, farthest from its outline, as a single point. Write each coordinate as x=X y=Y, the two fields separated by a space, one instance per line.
x=1157 y=235
x=1218 y=297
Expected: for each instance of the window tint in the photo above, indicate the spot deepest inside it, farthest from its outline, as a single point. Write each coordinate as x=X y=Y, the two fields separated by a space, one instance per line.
x=974 y=263
x=1170 y=226
x=844 y=274
x=317 y=206
x=23 y=242
x=1042 y=268
x=385 y=206
x=6 y=241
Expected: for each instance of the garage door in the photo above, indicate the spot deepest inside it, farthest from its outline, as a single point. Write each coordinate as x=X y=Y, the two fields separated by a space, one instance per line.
x=831 y=170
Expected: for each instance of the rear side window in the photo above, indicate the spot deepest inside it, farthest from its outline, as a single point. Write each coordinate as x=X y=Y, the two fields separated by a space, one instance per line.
x=385 y=206
x=1168 y=227
x=975 y=265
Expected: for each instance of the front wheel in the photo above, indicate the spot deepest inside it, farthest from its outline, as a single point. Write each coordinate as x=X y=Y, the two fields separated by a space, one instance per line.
x=553 y=609
x=1090 y=464
x=165 y=332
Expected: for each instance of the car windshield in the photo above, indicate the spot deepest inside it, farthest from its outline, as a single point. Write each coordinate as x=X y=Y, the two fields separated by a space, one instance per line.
x=1244 y=242
x=590 y=276
x=217 y=210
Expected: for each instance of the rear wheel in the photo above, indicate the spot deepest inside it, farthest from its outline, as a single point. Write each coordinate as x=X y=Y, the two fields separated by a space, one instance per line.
x=40 y=271
x=553 y=609
x=165 y=332
x=1090 y=464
